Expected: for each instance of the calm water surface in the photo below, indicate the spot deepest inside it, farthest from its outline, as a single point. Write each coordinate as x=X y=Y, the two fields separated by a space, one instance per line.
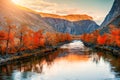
x=67 y=63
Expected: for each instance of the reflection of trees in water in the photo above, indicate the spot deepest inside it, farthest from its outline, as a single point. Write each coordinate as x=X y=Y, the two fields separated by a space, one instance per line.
x=50 y=58
x=114 y=62
x=36 y=64
x=95 y=57
x=6 y=70
x=32 y=65
x=107 y=57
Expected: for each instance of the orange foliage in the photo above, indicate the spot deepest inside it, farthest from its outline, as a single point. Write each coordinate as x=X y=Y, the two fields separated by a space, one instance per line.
x=12 y=43
x=51 y=38
x=38 y=39
x=42 y=42
x=3 y=38
x=111 y=39
x=115 y=32
x=91 y=37
x=102 y=39
x=28 y=39
x=68 y=37
x=3 y=35
x=55 y=38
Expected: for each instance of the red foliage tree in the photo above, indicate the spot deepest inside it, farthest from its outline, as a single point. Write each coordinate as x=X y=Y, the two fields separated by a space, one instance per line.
x=3 y=37
x=38 y=39
x=116 y=34
x=68 y=36
x=102 y=39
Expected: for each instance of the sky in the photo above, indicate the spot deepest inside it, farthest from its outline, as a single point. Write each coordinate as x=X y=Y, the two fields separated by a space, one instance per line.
x=98 y=9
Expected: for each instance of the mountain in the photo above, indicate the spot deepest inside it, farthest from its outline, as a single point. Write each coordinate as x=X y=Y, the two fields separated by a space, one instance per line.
x=74 y=24
x=19 y=15
x=71 y=17
x=113 y=17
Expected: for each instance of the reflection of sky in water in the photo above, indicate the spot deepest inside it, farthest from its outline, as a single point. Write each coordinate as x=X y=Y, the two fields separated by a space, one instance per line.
x=69 y=67
x=74 y=45
x=66 y=69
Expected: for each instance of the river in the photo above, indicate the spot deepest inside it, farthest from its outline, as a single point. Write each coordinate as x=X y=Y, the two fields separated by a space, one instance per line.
x=71 y=62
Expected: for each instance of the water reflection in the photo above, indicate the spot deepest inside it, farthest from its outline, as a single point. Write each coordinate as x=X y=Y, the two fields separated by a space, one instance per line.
x=74 y=45
x=64 y=65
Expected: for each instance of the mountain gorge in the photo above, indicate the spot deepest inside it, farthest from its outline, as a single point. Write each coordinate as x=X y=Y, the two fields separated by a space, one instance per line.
x=74 y=24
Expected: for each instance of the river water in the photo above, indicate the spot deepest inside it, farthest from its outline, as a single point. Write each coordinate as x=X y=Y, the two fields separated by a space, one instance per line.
x=71 y=62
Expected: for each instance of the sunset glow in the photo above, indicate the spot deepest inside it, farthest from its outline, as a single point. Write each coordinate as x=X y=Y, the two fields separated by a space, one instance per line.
x=60 y=40
x=16 y=1
x=97 y=9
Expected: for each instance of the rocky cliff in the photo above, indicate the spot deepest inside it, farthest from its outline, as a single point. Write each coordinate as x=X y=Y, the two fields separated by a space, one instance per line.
x=73 y=27
x=113 y=17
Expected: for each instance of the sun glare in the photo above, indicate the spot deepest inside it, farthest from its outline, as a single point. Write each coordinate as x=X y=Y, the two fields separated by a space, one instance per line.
x=16 y=1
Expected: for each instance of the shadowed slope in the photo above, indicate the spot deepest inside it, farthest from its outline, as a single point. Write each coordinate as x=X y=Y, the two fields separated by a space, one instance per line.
x=20 y=15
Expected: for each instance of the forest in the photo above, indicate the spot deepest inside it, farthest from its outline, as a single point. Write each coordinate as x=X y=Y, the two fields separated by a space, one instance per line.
x=14 y=40
x=112 y=38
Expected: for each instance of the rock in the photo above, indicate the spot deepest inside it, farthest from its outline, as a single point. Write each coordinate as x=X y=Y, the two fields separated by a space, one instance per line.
x=76 y=27
x=113 y=17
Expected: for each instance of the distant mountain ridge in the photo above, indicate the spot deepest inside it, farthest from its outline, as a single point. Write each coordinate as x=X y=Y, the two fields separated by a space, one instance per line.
x=70 y=17
x=74 y=24
x=72 y=27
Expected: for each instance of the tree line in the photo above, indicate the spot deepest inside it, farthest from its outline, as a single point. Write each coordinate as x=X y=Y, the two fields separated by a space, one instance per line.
x=109 y=39
x=13 y=40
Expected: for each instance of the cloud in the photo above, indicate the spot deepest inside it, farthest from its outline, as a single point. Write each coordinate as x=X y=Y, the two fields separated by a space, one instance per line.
x=36 y=4
x=68 y=11
x=45 y=6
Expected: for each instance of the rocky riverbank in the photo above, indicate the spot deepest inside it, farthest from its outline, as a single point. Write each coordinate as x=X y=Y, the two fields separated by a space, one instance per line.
x=112 y=49
x=6 y=59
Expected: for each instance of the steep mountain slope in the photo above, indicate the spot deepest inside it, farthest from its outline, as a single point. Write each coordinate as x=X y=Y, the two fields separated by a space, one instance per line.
x=113 y=17
x=85 y=26
x=76 y=27
x=19 y=15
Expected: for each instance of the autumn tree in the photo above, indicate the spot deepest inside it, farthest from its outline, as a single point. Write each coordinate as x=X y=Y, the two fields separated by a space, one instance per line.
x=38 y=38
x=102 y=39
x=68 y=36
x=50 y=38
x=12 y=45
x=21 y=32
x=41 y=38
x=9 y=39
x=3 y=37
x=115 y=33
x=112 y=38
x=28 y=39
